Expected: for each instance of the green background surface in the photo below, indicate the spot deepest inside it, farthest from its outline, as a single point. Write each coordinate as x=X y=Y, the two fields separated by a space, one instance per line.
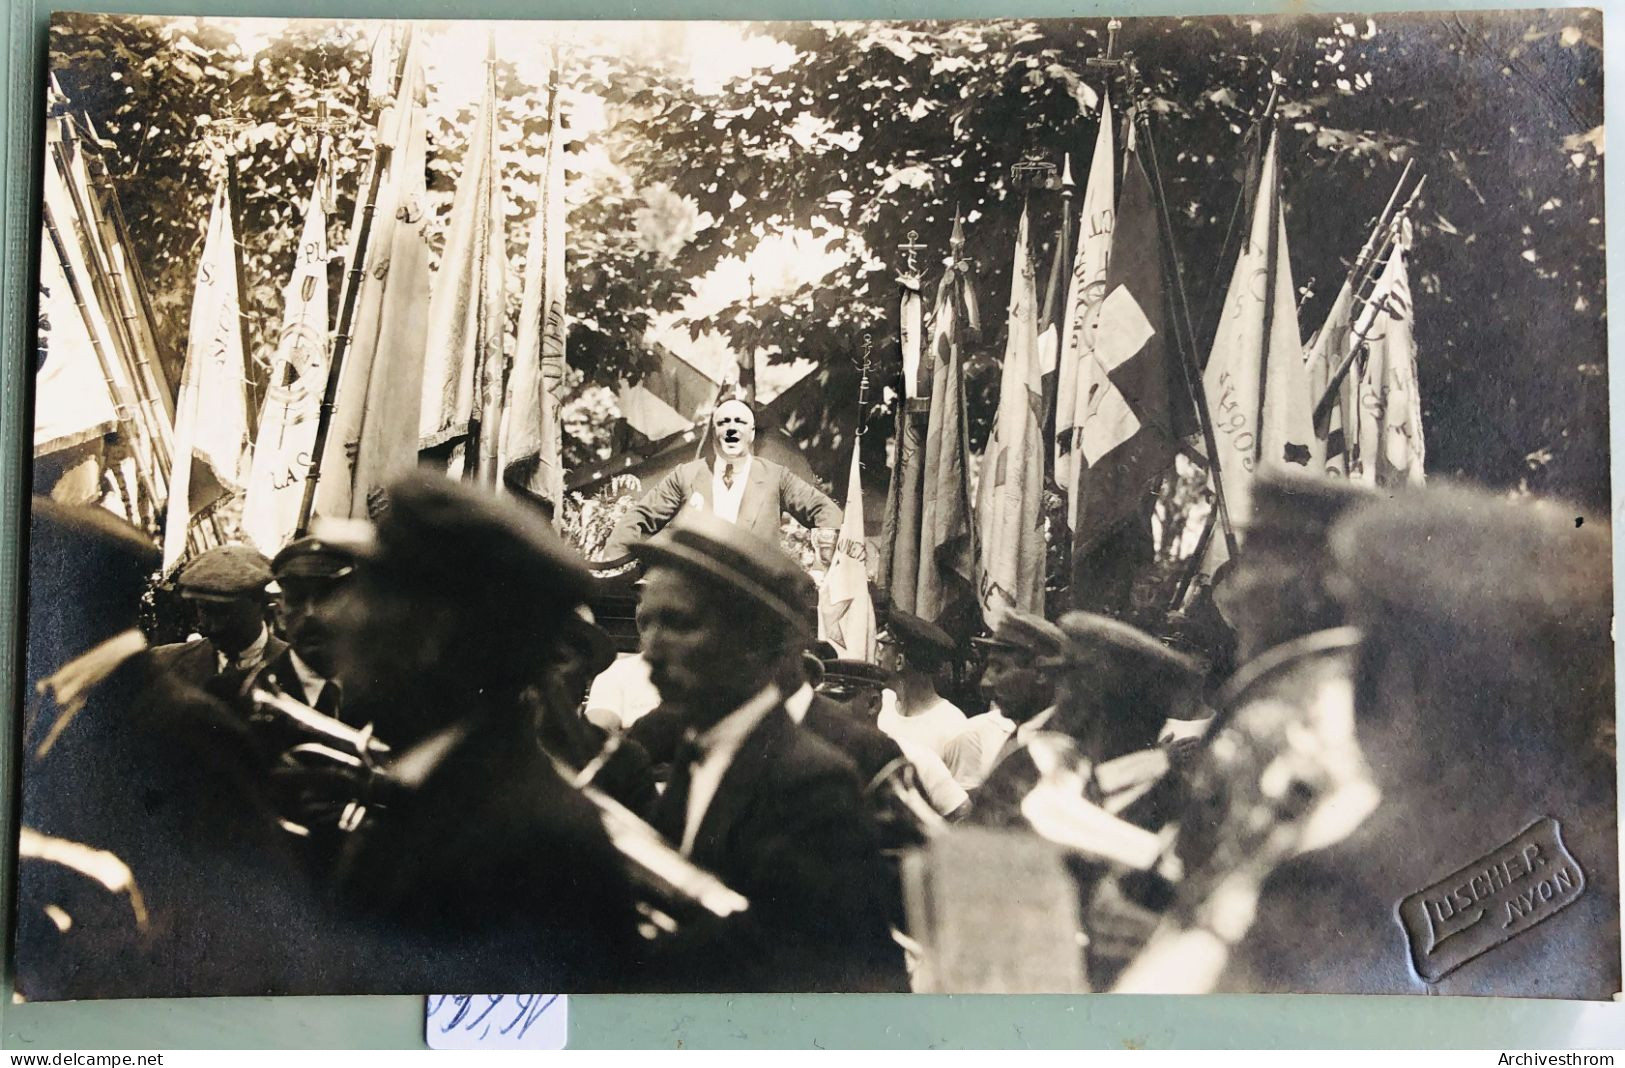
x=884 y=1021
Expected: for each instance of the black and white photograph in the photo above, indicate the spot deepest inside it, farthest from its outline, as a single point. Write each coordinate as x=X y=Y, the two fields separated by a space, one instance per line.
x=987 y=506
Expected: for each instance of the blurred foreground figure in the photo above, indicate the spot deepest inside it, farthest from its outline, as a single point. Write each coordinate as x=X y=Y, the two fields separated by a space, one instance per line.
x=151 y=864
x=769 y=807
x=1486 y=859
x=481 y=864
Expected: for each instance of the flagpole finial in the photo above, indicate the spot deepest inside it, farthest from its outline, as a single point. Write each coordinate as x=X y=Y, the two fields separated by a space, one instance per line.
x=912 y=248
x=956 y=242
x=1067 y=183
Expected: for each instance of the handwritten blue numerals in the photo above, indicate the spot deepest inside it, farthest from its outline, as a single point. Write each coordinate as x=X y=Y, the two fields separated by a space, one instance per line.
x=497 y=1021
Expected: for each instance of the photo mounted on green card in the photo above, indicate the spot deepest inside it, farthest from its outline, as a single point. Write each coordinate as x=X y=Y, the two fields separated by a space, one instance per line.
x=999 y=506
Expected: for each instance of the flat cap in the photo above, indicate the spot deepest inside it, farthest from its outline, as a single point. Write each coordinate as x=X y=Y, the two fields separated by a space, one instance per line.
x=453 y=539
x=313 y=558
x=1024 y=632
x=1088 y=633
x=702 y=544
x=224 y=573
x=861 y=672
x=919 y=636
x=1470 y=563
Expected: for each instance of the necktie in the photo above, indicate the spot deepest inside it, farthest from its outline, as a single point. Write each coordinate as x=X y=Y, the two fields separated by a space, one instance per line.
x=327 y=700
x=671 y=812
x=728 y=475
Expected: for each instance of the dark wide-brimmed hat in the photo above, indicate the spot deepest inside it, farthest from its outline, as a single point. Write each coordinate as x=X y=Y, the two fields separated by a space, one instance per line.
x=1288 y=511
x=224 y=573
x=722 y=552
x=1468 y=565
x=457 y=541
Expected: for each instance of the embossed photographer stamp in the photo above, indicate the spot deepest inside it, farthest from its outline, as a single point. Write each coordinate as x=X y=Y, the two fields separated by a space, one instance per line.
x=1491 y=901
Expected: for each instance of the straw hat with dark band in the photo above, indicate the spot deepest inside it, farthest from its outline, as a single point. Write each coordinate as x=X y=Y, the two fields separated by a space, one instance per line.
x=715 y=549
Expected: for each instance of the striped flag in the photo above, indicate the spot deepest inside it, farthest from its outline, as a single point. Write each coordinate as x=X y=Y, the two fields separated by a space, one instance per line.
x=293 y=398
x=211 y=409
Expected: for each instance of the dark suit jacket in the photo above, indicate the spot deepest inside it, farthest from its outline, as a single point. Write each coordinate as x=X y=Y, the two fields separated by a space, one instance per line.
x=197 y=663
x=869 y=748
x=788 y=829
x=770 y=491
x=492 y=871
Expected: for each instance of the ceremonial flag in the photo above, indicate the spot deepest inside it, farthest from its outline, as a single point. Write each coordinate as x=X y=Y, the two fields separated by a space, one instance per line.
x=900 y=531
x=1009 y=499
x=945 y=590
x=1256 y=382
x=1051 y=313
x=846 y=614
x=211 y=410
x=373 y=437
x=1083 y=297
x=463 y=360
x=100 y=372
x=531 y=459
x=1327 y=349
x=1131 y=401
x=1387 y=448
x=73 y=395
x=293 y=397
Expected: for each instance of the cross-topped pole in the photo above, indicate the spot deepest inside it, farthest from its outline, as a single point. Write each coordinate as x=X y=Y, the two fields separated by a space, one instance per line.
x=912 y=248
x=1112 y=62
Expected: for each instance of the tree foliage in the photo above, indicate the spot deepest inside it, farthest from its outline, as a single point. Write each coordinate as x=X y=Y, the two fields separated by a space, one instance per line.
x=872 y=130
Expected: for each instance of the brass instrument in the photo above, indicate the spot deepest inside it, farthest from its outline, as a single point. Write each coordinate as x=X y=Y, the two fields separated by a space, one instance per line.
x=330 y=780
x=1281 y=774
x=671 y=888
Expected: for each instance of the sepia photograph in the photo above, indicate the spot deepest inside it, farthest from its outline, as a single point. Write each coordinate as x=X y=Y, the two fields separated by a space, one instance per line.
x=987 y=506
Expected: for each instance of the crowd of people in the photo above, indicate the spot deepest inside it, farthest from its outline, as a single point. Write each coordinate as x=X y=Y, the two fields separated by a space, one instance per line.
x=402 y=755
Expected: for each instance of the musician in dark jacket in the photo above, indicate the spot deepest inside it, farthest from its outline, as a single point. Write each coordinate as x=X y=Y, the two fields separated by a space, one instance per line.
x=483 y=868
x=771 y=809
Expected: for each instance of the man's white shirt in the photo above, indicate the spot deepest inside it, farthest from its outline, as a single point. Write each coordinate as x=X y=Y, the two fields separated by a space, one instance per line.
x=720 y=743
x=936 y=780
x=250 y=657
x=725 y=499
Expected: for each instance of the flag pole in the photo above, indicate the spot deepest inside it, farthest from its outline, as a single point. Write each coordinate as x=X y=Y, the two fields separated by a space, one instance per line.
x=341 y=343
x=1185 y=338
x=1323 y=406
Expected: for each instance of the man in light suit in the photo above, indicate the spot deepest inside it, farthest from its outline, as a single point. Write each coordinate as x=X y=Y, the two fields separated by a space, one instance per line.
x=735 y=486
